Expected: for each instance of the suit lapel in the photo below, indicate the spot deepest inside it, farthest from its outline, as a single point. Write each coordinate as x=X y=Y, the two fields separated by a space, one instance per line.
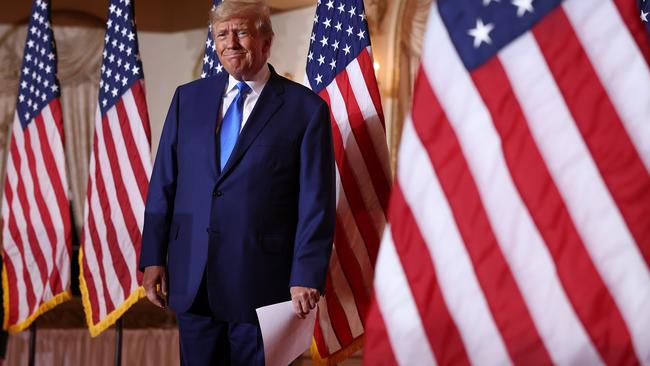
x=268 y=103
x=211 y=97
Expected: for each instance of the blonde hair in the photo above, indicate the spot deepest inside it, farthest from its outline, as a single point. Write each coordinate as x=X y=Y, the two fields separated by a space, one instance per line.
x=257 y=10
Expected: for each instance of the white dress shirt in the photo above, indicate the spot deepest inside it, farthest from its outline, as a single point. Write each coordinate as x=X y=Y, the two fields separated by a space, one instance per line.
x=256 y=84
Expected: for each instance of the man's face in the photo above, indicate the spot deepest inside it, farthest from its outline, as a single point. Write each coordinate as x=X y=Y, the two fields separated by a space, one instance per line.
x=241 y=50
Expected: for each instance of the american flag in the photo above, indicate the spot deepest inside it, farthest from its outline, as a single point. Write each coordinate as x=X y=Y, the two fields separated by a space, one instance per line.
x=36 y=229
x=340 y=70
x=119 y=171
x=211 y=65
x=519 y=222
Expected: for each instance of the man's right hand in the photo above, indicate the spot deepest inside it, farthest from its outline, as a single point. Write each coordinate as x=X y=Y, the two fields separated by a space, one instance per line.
x=154 y=282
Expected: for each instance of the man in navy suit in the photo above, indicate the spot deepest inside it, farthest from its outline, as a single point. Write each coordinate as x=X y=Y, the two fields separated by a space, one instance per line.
x=241 y=205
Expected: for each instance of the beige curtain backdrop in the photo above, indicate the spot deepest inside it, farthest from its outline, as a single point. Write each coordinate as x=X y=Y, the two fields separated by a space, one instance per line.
x=79 y=59
x=409 y=38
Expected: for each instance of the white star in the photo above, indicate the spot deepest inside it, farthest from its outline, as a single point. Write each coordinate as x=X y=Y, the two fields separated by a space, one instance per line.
x=131 y=36
x=346 y=49
x=335 y=45
x=310 y=56
x=488 y=2
x=114 y=42
x=43 y=97
x=21 y=98
x=118 y=12
x=135 y=70
x=128 y=51
x=481 y=33
x=50 y=56
x=338 y=26
x=41 y=65
x=121 y=47
x=330 y=4
x=123 y=32
x=25 y=70
x=312 y=38
x=361 y=34
x=219 y=68
x=127 y=66
x=316 y=19
x=30 y=43
x=127 y=2
x=111 y=58
x=324 y=41
x=46 y=83
x=362 y=16
x=124 y=80
x=45 y=37
x=26 y=115
x=29 y=102
x=117 y=78
x=207 y=42
x=203 y=75
x=350 y=31
x=206 y=59
x=109 y=23
x=23 y=85
x=107 y=38
x=341 y=8
x=352 y=12
x=48 y=69
x=114 y=92
x=644 y=16
x=333 y=64
x=28 y=57
x=106 y=87
x=32 y=30
x=119 y=62
x=34 y=106
x=327 y=23
x=319 y=79
x=523 y=6
x=109 y=72
x=104 y=102
x=54 y=87
x=117 y=28
x=321 y=60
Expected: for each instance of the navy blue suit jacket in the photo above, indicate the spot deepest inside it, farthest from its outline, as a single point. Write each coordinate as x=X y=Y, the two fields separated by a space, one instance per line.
x=263 y=224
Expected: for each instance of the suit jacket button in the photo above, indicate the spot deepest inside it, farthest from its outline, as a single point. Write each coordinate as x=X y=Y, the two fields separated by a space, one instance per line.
x=219 y=193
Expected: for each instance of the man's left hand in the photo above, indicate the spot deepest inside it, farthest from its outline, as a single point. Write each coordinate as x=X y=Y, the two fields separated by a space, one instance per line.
x=304 y=299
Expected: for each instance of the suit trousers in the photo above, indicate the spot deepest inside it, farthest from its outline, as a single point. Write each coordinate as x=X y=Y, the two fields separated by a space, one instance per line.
x=206 y=341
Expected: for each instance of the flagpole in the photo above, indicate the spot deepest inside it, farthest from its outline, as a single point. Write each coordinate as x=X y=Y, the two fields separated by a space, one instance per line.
x=118 y=342
x=32 y=344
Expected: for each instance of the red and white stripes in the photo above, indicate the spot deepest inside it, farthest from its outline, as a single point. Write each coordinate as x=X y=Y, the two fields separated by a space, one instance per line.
x=35 y=211
x=119 y=170
x=363 y=186
x=520 y=218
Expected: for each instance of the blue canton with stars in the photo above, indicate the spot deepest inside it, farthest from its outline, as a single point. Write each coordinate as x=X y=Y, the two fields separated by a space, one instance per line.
x=211 y=65
x=644 y=6
x=480 y=28
x=38 y=84
x=340 y=33
x=121 y=64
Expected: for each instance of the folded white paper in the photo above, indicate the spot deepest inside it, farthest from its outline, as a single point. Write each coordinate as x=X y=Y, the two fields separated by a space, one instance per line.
x=285 y=335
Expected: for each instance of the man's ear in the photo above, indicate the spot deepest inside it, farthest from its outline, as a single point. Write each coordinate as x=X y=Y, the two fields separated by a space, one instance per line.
x=266 y=47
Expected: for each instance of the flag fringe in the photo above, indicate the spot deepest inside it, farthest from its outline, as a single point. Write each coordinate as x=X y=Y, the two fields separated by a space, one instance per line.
x=113 y=316
x=44 y=307
x=338 y=356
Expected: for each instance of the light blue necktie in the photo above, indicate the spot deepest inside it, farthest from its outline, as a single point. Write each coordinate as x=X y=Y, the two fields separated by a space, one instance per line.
x=231 y=123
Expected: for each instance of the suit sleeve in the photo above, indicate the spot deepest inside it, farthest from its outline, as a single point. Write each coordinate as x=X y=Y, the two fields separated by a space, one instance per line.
x=162 y=190
x=316 y=204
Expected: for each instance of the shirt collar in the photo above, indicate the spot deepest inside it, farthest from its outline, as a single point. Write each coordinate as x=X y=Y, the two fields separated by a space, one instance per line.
x=256 y=84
